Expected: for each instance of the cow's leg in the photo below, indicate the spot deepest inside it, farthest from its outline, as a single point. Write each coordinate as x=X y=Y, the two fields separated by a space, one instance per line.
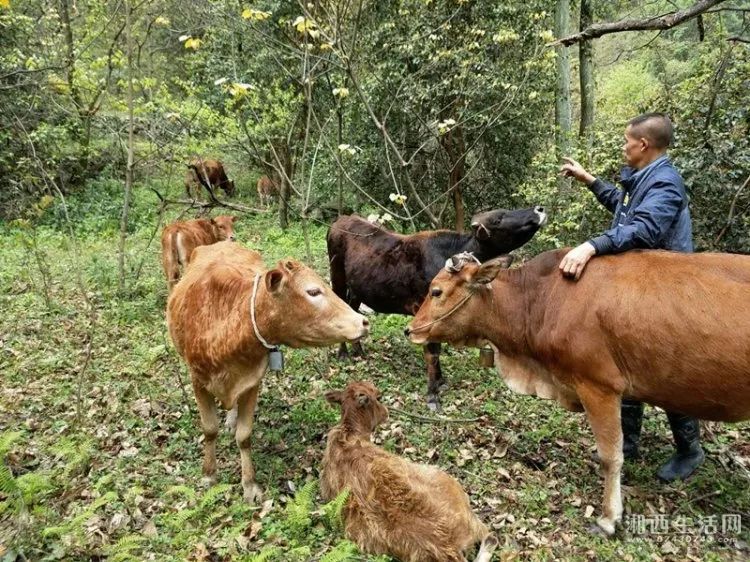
x=357 y=348
x=338 y=284
x=434 y=375
x=210 y=427
x=245 y=411
x=603 y=411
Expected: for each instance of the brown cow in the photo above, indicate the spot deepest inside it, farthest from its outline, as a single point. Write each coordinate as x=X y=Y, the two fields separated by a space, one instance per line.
x=208 y=173
x=209 y=315
x=670 y=329
x=179 y=239
x=267 y=189
x=414 y=512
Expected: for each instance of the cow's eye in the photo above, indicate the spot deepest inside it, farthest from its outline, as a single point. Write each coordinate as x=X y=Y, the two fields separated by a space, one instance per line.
x=314 y=292
x=436 y=292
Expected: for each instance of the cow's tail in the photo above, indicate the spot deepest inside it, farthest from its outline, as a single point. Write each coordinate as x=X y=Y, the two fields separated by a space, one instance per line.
x=170 y=260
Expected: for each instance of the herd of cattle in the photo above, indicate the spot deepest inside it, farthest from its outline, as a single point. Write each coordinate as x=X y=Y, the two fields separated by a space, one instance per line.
x=666 y=328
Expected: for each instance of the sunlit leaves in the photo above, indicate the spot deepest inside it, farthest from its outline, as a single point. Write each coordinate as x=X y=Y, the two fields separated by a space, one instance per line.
x=397 y=198
x=255 y=15
x=341 y=92
x=306 y=26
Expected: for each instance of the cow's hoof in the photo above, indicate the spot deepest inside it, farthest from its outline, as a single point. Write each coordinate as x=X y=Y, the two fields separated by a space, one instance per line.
x=252 y=493
x=604 y=527
x=433 y=403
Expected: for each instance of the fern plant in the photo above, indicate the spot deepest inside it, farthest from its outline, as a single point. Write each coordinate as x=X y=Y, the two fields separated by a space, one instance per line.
x=333 y=510
x=9 y=486
x=345 y=550
x=299 y=510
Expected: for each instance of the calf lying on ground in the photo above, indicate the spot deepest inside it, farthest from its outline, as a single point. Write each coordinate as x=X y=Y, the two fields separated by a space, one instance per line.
x=206 y=173
x=414 y=512
x=210 y=319
x=179 y=239
x=666 y=328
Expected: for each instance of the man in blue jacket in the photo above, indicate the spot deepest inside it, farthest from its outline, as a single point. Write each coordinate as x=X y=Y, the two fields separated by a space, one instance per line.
x=650 y=212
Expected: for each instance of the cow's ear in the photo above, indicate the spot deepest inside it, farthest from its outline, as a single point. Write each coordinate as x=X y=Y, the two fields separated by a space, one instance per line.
x=212 y=221
x=487 y=272
x=335 y=396
x=274 y=280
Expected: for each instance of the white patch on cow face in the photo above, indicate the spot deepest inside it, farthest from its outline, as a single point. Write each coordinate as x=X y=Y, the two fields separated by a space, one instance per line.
x=539 y=211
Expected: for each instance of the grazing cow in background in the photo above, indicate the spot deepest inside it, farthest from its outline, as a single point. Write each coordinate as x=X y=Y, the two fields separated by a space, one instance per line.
x=210 y=319
x=179 y=239
x=206 y=173
x=267 y=190
x=414 y=512
x=670 y=329
x=391 y=272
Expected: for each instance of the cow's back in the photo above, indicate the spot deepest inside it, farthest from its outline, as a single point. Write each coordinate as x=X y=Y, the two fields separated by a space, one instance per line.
x=385 y=270
x=677 y=326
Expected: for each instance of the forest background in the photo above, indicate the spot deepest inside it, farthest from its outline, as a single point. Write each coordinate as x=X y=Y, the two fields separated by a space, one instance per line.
x=420 y=112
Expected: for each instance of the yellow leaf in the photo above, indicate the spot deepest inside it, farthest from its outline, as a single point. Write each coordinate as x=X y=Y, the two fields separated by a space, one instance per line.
x=5 y=3
x=193 y=43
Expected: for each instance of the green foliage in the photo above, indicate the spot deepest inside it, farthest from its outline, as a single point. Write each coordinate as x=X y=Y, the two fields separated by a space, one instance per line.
x=343 y=551
x=333 y=510
x=298 y=511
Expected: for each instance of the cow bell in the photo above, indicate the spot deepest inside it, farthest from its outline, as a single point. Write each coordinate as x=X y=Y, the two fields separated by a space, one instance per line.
x=275 y=360
x=487 y=357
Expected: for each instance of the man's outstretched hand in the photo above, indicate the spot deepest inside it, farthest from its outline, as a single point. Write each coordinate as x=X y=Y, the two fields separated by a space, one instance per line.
x=572 y=169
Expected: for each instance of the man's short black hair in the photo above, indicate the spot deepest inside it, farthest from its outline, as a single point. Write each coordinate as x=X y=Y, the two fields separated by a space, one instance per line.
x=656 y=127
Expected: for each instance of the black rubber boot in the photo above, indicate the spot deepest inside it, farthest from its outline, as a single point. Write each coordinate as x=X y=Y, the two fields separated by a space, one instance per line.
x=631 y=418
x=689 y=454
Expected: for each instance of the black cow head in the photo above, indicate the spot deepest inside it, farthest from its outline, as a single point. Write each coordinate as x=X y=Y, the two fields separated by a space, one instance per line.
x=501 y=231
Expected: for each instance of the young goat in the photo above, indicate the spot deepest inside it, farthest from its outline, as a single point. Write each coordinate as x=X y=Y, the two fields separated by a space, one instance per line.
x=414 y=512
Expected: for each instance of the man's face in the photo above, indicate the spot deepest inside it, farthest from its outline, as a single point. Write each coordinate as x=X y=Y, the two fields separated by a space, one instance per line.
x=634 y=148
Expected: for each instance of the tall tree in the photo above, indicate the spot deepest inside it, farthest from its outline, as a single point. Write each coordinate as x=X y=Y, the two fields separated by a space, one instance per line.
x=586 y=74
x=562 y=89
x=131 y=146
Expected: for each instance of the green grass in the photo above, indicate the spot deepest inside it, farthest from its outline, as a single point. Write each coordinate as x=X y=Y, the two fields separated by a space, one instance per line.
x=104 y=462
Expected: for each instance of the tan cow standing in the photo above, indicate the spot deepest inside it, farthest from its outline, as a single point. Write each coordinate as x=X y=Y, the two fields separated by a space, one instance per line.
x=267 y=189
x=415 y=512
x=666 y=328
x=205 y=173
x=179 y=239
x=209 y=319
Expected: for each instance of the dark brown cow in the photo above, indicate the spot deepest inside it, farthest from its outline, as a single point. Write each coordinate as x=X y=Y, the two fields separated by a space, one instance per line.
x=414 y=512
x=206 y=173
x=179 y=239
x=390 y=272
x=267 y=190
x=670 y=329
x=210 y=321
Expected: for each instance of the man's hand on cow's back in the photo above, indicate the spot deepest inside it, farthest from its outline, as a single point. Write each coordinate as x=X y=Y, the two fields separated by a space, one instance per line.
x=574 y=262
x=572 y=169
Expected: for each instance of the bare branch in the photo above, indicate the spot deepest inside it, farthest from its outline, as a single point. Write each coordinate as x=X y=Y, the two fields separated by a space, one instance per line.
x=665 y=21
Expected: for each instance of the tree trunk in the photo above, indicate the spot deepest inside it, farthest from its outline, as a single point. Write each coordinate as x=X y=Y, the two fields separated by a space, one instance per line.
x=586 y=74
x=455 y=148
x=285 y=188
x=562 y=90
x=131 y=145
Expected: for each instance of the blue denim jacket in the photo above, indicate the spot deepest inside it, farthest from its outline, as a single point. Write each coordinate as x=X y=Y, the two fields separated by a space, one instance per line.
x=650 y=212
